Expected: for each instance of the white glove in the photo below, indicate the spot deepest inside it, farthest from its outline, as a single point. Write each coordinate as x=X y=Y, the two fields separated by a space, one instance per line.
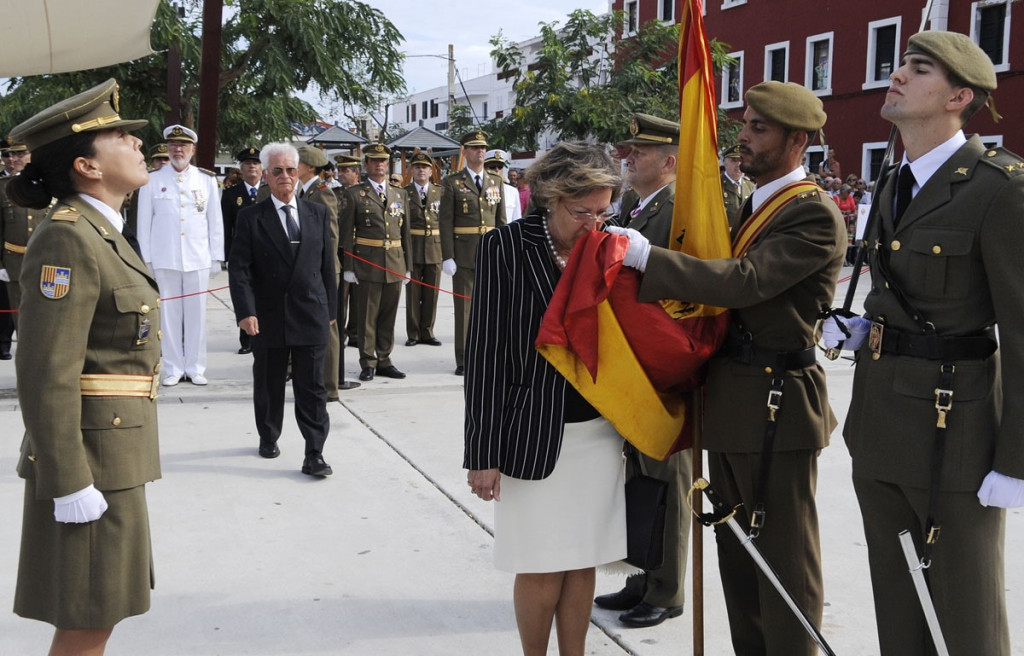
x=639 y=247
x=350 y=277
x=408 y=277
x=832 y=331
x=4 y=277
x=1001 y=491
x=448 y=266
x=86 y=505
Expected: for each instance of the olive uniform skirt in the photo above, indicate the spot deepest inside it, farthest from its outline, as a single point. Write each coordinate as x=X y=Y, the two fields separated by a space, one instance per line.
x=85 y=576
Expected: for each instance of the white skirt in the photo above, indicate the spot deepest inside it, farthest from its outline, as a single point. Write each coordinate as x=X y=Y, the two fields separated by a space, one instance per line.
x=573 y=519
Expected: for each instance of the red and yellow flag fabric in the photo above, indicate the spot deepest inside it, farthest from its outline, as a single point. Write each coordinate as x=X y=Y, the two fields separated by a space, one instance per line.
x=637 y=363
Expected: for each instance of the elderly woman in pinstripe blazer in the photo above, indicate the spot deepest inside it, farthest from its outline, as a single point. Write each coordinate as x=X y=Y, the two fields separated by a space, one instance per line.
x=533 y=444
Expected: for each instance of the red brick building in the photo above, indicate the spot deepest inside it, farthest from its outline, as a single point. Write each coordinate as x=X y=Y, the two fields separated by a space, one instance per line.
x=844 y=51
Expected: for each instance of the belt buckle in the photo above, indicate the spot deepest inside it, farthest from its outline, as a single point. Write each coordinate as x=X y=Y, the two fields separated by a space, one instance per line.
x=427 y=232
x=154 y=386
x=875 y=339
x=483 y=230
x=387 y=244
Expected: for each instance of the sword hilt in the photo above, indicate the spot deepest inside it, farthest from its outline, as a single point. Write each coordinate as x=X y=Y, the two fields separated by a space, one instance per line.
x=720 y=513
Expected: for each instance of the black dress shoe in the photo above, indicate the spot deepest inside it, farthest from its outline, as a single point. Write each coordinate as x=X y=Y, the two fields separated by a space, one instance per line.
x=244 y=350
x=347 y=385
x=460 y=370
x=644 y=615
x=412 y=342
x=352 y=342
x=269 y=450
x=390 y=371
x=365 y=374
x=6 y=355
x=315 y=466
x=624 y=599
x=431 y=341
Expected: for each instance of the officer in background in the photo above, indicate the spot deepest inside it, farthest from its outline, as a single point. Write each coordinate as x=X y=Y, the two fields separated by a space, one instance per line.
x=350 y=171
x=17 y=225
x=313 y=189
x=945 y=255
x=158 y=157
x=496 y=162
x=473 y=202
x=736 y=187
x=181 y=235
x=651 y=597
x=375 y=228
x=233 y=200
x=425 y=243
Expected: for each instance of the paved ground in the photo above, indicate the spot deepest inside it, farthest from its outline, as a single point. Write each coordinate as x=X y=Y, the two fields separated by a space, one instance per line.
x=389 y=556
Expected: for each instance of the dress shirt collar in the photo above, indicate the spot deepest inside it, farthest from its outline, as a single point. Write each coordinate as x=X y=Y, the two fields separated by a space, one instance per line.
x=926 y=165
x=643 y=203
x=761 y=194
x=109 y=213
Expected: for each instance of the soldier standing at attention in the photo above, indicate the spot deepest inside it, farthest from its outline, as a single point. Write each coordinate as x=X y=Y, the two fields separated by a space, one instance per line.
x=651 y=597
x=375 y=227
x=87 y=362
x=181 y=234
x=788 y=255
x=935 y=424
x=472 y=203
x=425 y=241
x=736 y=187
x=350 y=171
x=16 y=227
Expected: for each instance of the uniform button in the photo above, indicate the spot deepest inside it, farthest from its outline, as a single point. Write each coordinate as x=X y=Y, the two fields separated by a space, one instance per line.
x=936 y=249
x=31 y=458
x=144 y=309
x=117 y=421
x=767 y=370
x=183 y=234
x=158 y=302
x=156 y=369
x=159 y=334
x=895 y=245
x=990 y=153
x=875 y=356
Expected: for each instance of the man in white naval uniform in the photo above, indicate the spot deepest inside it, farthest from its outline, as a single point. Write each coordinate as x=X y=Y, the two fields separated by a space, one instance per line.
x=181 y=236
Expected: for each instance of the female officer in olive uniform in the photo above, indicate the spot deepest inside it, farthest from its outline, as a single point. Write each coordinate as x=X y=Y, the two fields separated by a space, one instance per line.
x=87 y=362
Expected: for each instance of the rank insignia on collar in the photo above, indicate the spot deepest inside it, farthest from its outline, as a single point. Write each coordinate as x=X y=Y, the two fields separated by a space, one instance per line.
x=961 y=171
x=55 y=281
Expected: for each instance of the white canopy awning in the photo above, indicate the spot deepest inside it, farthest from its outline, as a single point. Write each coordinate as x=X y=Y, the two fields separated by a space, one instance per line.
x=58 y=36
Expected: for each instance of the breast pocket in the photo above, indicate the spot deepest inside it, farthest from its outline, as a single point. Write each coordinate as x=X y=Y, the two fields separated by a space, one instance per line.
x=941 y=258
x=137 y=319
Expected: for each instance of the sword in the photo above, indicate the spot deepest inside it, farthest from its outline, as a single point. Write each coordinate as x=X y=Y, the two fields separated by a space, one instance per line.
x=917 y=574
x=722 y=514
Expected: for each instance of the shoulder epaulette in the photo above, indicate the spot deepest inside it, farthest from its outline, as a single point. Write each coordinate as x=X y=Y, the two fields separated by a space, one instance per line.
x=807 y=196
x=68 y=214
x=1009 y=163
x=207 y=171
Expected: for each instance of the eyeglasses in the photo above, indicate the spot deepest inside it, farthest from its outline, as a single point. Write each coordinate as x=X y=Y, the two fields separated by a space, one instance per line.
x=291 y=172
x=583 y=215
x=178 y=145
x=19 y=154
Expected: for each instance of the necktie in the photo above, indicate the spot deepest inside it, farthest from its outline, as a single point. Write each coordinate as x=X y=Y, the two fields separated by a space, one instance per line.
x=904 y=193
x=252 y=193
x=383 y=195
x=293 y=227
x=636 y=211
x=423 y=198
x=129 y=236
x=479 y=183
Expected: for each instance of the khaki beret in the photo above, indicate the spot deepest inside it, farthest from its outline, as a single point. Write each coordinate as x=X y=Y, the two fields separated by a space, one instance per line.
x=248 y=153
x=474 y=138
x=95 y=109
x=377 y=151
x=420 y=157
x=345 y=160
x=733 y=152
x=159 y=151
x=312 y=156
x=959 y=54
x=179 y=132
x=788 y=104
x=647 y=130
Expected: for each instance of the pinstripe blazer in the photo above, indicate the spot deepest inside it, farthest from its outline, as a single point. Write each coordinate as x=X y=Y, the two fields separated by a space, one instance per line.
x=514 y=397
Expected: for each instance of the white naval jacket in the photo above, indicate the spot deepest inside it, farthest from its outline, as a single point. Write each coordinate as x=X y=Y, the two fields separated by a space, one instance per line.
x=180 y=226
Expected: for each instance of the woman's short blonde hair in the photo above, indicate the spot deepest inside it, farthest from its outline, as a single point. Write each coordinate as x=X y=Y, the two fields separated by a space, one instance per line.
x=572 y=169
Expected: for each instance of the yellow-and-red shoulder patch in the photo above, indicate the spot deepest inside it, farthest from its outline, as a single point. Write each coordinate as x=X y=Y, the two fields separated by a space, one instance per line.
x=55 y=281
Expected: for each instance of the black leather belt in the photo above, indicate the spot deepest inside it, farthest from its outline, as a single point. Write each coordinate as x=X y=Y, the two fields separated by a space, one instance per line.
x=935 y=347
x=746 y=353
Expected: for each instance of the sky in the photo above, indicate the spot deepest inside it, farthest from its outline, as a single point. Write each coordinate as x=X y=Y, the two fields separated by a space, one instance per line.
x=430 y=25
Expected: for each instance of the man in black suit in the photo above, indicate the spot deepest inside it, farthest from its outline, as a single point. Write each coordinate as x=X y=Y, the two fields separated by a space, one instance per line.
x=233 y=200
x=285 y=297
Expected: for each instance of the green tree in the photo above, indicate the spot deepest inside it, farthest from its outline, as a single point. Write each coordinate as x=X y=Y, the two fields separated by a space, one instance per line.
x=579 y=87
x=272 y=50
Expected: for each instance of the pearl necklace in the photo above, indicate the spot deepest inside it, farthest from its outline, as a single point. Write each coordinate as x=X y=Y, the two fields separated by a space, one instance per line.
x=559 y=260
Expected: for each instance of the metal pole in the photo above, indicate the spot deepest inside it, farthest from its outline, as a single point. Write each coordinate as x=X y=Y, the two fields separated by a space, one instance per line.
x=697 y=536
x=451 y=84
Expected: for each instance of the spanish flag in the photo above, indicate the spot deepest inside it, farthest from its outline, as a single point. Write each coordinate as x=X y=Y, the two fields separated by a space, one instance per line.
x=637 y=362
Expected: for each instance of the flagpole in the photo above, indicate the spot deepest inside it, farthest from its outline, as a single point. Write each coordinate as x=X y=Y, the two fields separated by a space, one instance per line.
x=696 y=529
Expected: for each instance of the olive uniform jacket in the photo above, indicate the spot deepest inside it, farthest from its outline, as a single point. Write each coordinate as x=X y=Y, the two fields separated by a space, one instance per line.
x=776 y=291
x=956 y=256
x=734 y=198
x=89 y=309
x=16 y=227
x=466 y=213
x=655 y=220
x=426 y=248
x=365 y=216
x=322 y=194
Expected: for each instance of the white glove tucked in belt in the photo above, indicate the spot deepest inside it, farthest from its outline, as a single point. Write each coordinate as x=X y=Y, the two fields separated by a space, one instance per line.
x=350 y=277
x=856 y=331
x=1001 y=491
x=448 y=266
